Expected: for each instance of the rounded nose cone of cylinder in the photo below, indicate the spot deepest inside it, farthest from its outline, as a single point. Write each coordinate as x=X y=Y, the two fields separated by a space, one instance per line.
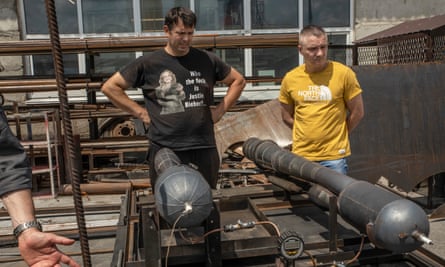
x=178 y=188
x=395 y=225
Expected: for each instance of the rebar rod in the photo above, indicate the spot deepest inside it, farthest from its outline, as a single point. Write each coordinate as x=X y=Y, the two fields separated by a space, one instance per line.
x=69 y=140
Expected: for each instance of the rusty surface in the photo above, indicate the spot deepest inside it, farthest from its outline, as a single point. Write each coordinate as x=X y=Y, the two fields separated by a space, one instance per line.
x=438 y=213
x=401 y=138
x=263 y=121
x=402 y=134
x=145 y=43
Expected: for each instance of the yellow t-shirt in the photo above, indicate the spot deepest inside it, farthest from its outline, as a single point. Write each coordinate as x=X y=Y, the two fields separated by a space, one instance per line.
x=320 y=131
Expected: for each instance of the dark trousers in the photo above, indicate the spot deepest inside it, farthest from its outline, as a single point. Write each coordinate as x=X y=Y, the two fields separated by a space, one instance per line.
x=205 y=160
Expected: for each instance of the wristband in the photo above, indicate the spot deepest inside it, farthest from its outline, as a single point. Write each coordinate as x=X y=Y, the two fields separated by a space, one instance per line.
x=24 y=226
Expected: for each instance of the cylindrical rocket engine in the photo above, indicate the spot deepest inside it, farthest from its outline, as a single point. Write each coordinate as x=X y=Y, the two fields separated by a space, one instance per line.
x=182 y=195
x=391 y=222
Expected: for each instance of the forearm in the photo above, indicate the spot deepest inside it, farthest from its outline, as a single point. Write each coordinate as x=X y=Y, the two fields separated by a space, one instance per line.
x=236 y=86
x=356 y=112
x=352 y=122
x=20 y=206
x=122 y=101
x=114 y=89
x=229 y=100
x=287 y=114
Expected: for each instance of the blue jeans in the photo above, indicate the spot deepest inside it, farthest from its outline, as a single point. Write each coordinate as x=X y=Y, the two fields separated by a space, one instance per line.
x=339 y=165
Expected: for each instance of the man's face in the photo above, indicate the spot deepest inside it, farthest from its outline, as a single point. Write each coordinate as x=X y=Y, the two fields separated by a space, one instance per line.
x=179 y=38
x=314 y=51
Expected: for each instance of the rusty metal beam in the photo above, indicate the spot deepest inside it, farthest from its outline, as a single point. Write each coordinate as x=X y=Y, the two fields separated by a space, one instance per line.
x=31 y=85
x=145 y=43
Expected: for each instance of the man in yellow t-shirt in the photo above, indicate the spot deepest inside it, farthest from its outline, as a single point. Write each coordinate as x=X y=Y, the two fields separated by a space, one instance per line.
x=321 y=101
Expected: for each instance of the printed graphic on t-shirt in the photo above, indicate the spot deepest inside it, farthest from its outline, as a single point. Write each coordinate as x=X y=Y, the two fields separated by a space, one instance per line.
x=196 y=98
x=316 y=93
x=170 y=93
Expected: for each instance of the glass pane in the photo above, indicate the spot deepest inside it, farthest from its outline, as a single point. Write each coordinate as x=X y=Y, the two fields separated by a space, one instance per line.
x=274 y=62
x=107 y=16
x=219 y=14
x=107 y=63
x=327 y=13
x=36 y=19
x=266 y=14
x=44 y=65
x=232 y=56
x=337 y=54
x=154 y=11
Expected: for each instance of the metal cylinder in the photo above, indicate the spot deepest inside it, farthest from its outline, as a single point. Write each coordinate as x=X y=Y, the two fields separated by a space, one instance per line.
x=183 y=197
x=391 y=222
x=164 y=159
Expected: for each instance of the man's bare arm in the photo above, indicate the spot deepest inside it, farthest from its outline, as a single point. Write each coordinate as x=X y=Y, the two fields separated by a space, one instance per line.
x=236 y=83
x=287 y=114
x=356 y=112
x=114 y=88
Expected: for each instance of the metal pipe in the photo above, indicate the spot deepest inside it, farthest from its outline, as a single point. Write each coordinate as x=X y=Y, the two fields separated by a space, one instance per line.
x=391 y=222
x=146 y=43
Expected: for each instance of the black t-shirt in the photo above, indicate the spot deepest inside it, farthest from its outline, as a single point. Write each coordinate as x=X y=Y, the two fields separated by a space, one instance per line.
x=178 y=92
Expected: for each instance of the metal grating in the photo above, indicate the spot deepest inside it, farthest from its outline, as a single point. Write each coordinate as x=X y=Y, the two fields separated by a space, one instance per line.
x=402 y=51
x=411 y=42
x=367 y=55
x=439 y=48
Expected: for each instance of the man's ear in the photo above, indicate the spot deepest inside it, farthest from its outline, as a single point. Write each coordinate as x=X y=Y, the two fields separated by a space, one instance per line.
x=165 y=28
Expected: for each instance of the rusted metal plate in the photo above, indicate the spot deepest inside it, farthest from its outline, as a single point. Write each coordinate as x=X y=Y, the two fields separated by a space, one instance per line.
x=438 y=213
x=402 y=136
x=263 y=121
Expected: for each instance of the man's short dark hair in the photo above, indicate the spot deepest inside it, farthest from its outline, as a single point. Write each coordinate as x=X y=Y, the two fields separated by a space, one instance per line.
x=187 y=16
x=309 y=30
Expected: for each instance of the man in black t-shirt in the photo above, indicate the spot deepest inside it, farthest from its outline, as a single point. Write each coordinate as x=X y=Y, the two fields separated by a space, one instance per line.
x=177 y=83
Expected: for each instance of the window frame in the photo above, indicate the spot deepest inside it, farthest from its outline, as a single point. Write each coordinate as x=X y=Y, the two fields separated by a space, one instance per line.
x=246 y=31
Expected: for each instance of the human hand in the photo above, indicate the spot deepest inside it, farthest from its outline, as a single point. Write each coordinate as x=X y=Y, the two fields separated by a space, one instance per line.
x=39 y=249
x=142 y=114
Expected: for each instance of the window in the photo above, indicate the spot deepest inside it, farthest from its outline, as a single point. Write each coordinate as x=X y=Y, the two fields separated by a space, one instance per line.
x=122 y=18
x=153 y=13
x=337 y=51
x=43 y=65
x=37 y=22
x=271 y=14
x=107 y=16
x=274 y=62
x=327 y=13
x=216 y=15
x=106 y=63
x=233 y=57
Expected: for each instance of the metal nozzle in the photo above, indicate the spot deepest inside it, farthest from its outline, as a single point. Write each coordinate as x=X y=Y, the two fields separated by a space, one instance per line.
x=422 y=238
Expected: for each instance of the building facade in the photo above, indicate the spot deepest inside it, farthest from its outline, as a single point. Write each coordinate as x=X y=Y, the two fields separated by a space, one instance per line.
x=344 y=20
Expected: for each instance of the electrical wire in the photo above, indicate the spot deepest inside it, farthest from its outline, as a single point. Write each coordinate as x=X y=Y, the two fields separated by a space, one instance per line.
x=171 y=237
x=358 y=253
x=314 y=263
x=271 y=223
x=199 y=238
